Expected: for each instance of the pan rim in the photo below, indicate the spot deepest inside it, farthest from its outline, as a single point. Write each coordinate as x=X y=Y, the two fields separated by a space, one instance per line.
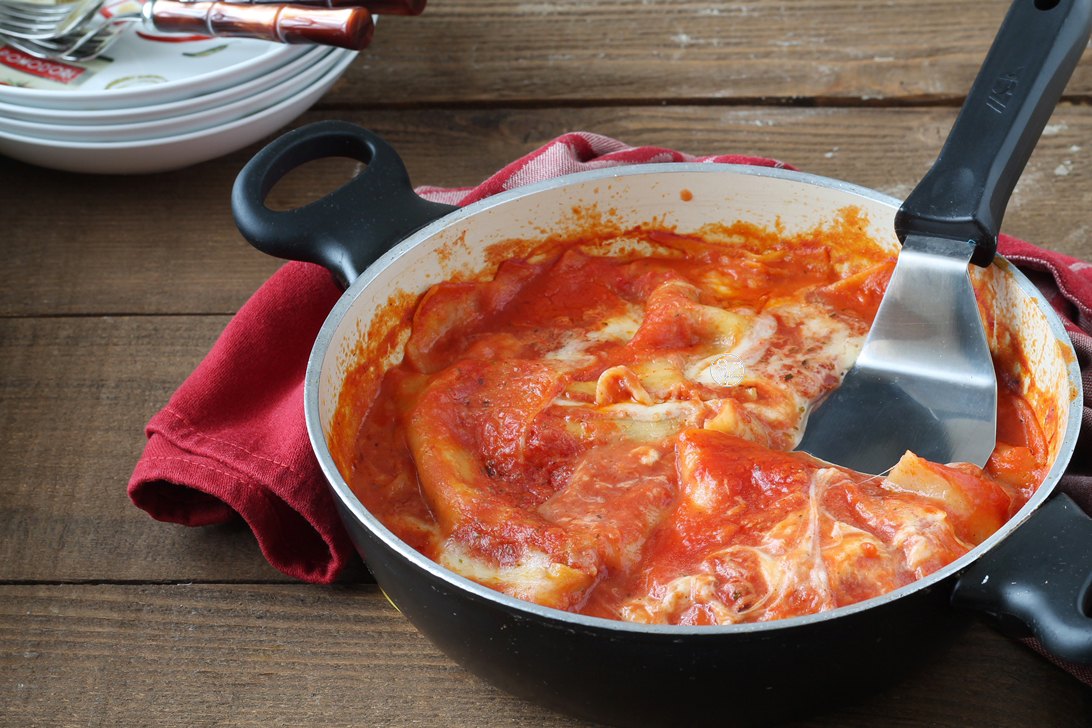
x=348 y=500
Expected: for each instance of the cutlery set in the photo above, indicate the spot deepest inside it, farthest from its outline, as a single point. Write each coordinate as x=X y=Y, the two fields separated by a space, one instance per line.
x=81 y=30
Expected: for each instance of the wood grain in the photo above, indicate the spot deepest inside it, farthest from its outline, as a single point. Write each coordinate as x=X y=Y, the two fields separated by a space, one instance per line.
x=185 y=255
x=112 y=289
x=75 y=394
x=195 y=655
x=641 y=52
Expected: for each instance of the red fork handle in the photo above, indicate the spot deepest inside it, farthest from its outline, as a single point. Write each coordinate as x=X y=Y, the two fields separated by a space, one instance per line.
x=376 y=7
x=349 y=27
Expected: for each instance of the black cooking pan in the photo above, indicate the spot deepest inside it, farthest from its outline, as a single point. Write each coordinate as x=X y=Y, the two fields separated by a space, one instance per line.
x=375 y=234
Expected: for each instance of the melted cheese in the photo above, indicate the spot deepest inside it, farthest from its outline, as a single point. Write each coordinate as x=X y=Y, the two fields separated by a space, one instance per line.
x=534 y=577
x=572 y=445
x=618 y=329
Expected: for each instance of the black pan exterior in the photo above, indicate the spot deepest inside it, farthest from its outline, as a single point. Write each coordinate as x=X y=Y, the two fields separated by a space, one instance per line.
x=613 y=672
x=616 y=675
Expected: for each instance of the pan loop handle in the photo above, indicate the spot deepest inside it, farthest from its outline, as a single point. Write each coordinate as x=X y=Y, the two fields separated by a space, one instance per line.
x=349 y=228
x=1037 y=582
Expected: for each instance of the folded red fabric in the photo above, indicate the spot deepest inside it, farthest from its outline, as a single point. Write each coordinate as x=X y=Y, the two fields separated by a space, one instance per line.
x=231 y=441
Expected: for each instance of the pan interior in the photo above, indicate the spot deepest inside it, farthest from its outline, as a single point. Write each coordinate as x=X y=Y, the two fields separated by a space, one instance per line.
x=366 y=331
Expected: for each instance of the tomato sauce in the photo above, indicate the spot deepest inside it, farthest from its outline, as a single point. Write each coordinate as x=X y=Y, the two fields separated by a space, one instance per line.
x=562 y=433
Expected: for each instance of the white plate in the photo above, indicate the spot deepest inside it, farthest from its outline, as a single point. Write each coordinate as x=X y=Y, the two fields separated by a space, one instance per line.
x=168 y=153
x=183 y=124
x=143 y=70
x=164 y=110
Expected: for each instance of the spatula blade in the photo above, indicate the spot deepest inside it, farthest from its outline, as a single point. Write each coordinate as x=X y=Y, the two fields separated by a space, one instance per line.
x=924 y=380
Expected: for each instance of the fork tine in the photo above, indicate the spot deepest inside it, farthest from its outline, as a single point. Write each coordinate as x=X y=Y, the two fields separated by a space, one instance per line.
x=37 y=31
x=36 y=22
x=30 y=47
x=16 y=18
x=94 y=44
x=31 y=10
x=77 y=47
x=19 y=15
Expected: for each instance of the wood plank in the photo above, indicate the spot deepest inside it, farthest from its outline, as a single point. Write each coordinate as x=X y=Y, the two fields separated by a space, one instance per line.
x=102 y=376
x=227 y=655
x=184 y=255
x=125 y=244
x=75 y=394
x=626 y=51
x=114 y=288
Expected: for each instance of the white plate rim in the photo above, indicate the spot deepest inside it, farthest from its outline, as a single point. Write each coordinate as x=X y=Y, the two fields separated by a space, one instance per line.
x=276 y=55
x=108 y=150
x=181 y=124
x=79 y=117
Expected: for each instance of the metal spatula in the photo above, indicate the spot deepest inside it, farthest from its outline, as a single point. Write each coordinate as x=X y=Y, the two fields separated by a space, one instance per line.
x=924 y=380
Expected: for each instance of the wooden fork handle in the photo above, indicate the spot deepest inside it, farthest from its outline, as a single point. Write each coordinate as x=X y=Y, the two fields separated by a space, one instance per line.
x=376 y=7
x=350 y=28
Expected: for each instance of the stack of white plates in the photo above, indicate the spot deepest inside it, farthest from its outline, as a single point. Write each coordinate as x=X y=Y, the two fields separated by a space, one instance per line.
x=157 y=103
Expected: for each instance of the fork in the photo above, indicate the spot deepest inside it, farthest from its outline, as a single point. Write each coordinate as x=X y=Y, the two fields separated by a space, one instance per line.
x=76 y=47
x=38 y=21
x=349 y=27
x=377 y=7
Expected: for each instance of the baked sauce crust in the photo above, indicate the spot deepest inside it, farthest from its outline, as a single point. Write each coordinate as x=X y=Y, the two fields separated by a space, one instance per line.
x=562 y=433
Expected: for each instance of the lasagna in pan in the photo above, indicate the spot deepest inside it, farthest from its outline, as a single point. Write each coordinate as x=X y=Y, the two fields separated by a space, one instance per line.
x=613 y=435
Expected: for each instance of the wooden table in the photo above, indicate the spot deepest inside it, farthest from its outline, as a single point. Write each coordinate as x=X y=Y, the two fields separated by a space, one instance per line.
x=113 y=288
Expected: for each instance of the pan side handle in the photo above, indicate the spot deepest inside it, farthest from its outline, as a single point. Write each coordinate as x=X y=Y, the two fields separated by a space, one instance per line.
x=349 y=228
x=1038 y=581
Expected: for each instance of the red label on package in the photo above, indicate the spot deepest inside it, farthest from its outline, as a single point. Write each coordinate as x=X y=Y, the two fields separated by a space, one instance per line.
x=52 y=70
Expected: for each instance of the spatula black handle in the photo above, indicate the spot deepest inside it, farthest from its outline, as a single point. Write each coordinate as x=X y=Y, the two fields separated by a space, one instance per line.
x=964 y=194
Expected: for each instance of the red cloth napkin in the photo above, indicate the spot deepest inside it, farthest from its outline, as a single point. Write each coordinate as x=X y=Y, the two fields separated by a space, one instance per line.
x=231 y=441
